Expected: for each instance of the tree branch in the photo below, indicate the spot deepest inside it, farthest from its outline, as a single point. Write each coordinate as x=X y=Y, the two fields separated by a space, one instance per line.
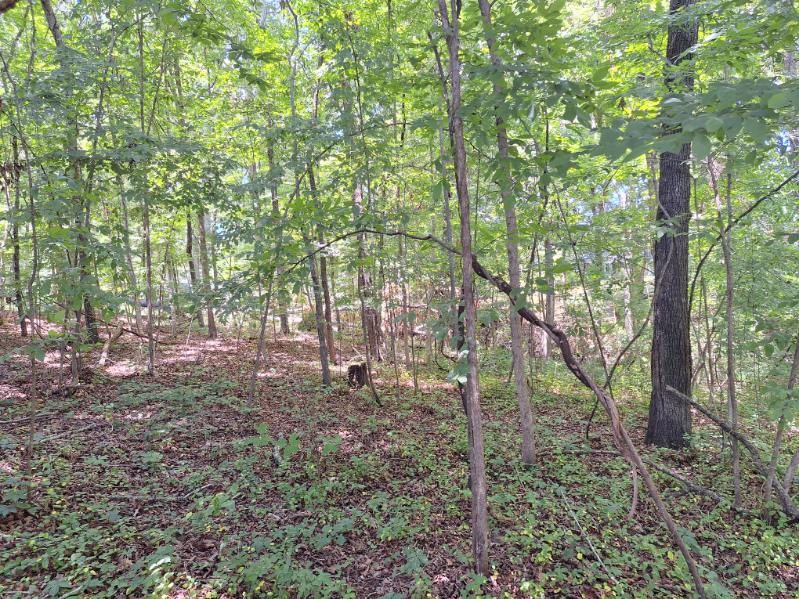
x=621 y=437
x=785 y=500
x=729 y=226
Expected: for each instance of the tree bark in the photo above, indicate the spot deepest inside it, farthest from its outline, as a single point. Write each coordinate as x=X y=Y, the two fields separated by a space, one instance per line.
x=514 y=272
x=283 y=312
x=549 y=300
x=781 y=425
x=669 y=417
x=732 y=401
x=13 y=178
x=206 y=283
x=320 y=320
x=450 y=27
x=192 y=265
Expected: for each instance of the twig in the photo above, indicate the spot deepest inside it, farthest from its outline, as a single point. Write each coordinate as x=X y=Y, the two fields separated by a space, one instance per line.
x=687 y=484
x=729 y=226
x=71 y=432
x=586 y=538
x=785 y=499
x=42 y=415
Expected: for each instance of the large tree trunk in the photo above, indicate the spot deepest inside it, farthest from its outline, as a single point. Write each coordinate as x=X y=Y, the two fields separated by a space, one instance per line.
x=669 y=416
x=204 y=264
x=472 y=387
x=514 y=273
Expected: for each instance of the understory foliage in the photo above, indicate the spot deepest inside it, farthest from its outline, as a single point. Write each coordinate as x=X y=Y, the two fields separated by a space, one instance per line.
x=203 y=203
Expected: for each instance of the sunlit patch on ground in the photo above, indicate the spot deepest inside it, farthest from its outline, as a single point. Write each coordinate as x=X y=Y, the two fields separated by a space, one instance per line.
x=121 y=369
x=8 y=392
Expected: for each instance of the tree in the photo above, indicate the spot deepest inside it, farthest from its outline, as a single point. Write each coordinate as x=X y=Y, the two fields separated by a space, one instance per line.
x=514 y=272
x=669 y=417
x=450 y=23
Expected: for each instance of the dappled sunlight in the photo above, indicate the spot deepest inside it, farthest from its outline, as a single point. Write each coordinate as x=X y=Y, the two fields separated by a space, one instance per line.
x=183 y=353
x=347 y=443
x=121 y=369
x=134 y=415
x=8 y=392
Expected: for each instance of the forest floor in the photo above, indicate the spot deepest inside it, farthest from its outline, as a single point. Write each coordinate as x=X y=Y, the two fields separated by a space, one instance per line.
x=177 y=486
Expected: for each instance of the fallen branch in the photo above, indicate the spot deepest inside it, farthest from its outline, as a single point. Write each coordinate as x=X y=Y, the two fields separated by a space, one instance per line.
x=107 y=346
x=136 y=333
x=785 y=500
x=687 y=484
x=621 y=438
x=70 y=432
x=586 y=538
x=23 y=419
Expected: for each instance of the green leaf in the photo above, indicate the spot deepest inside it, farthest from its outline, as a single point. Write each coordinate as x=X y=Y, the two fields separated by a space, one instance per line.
x=713 y=124
x=701 y=146
x=779 y=100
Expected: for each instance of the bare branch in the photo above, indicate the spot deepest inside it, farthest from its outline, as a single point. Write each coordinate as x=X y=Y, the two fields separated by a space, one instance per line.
x=785 y=499
x=726 y=229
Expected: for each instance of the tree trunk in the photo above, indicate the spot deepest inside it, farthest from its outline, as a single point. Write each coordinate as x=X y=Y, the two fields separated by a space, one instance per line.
x=446 y=198
x=514 y=272
x=148 y=253
x=82 y=218
x=329 y=335
x=282 y=308
x=781 y=425
x=320 y=319
x=627 y=270
x=670 y=417
x=732 y=402
x=148 y=261
x=13 y=178
x=206 y=283
x=192 y=266
x=549 y=300
x=472 y=388
x=132 y=279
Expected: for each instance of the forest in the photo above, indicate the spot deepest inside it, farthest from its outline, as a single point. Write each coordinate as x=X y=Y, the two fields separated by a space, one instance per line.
x=399 y=298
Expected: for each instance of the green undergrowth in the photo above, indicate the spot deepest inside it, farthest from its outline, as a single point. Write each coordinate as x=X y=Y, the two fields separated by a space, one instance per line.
x=188 y=487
